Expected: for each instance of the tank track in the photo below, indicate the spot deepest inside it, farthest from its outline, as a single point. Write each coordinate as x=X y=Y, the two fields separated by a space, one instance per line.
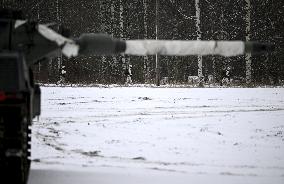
x=15 y=145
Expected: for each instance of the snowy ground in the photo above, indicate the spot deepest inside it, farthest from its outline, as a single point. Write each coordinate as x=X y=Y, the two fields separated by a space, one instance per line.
x=227 y=133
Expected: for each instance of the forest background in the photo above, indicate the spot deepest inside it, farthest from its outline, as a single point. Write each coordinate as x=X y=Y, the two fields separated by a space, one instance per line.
x=257 y=20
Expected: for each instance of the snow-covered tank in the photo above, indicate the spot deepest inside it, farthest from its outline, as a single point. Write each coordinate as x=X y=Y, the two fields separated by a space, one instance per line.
x=23 y=43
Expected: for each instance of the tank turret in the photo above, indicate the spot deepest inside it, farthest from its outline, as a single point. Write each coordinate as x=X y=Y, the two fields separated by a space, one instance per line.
x=24 y=42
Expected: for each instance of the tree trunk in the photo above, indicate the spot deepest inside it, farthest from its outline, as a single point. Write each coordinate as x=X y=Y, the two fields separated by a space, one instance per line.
x=146 y=67
x=60 y=67
x=199 y=58
x=157 y=57
x=248 y=37
x=125 y=62
x=113 y=26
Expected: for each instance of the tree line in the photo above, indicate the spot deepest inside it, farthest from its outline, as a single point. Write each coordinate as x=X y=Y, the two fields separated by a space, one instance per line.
x=163 y=19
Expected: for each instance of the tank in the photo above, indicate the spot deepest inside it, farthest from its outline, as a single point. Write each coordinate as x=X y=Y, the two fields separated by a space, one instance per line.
x=23 y=43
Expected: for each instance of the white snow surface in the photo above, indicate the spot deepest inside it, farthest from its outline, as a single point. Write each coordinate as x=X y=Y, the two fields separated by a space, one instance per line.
x=216 y=131
x=184 y=47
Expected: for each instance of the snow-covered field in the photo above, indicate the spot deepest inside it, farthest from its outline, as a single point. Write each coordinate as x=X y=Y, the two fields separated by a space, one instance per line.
x=213 y=131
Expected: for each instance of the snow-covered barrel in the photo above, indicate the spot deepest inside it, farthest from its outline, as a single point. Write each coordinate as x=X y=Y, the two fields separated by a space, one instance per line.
x=98 y=44
x=184 y=47
x=102 y=44
x=192 y=47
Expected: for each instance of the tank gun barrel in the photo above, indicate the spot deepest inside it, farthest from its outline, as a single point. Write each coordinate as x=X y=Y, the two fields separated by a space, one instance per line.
x=193 y=47
x=100 y=44
x=38 y=41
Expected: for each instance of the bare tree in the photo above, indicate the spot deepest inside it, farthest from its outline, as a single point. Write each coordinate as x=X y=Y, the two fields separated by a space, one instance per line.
x=248 y=37
x=197 y=7
x=158 y=77
x=146 y=68
x=125 y=61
